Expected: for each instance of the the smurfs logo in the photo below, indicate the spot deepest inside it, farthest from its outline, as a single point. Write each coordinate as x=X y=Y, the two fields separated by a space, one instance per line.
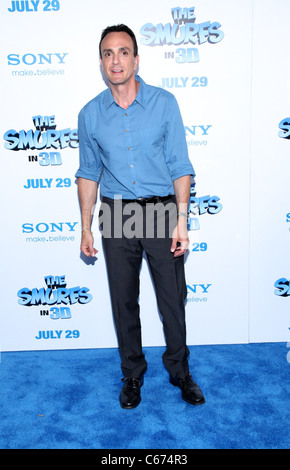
x=282 y=287
x=199 y=206
x=45 y=136
x=284 y=127
x=57 y=292
x=184 y=30
x=53 y=297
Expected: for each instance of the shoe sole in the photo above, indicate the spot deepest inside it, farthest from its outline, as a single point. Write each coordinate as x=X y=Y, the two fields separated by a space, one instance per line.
x=192 y=402
x=129 y=407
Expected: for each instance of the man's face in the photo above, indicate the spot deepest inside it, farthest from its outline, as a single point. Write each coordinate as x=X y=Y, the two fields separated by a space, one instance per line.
x=118 y=61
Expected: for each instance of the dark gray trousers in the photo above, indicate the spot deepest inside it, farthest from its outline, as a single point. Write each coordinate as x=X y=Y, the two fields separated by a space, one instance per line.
x=123 y=255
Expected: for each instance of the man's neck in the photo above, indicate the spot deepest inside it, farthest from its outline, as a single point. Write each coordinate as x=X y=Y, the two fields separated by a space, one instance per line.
x=124 y=94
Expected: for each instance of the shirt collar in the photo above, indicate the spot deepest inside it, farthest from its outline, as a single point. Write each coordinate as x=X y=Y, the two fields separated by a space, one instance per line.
x=140 y=98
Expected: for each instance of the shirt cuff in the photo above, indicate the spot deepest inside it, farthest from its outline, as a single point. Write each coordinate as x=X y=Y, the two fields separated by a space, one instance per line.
x=88 y=174
x=182 y=172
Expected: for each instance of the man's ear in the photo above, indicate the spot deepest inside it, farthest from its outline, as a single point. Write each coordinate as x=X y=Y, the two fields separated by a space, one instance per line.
x=137 y=59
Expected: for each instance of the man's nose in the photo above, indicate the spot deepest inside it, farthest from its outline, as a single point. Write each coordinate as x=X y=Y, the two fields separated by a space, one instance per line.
x=115 y=58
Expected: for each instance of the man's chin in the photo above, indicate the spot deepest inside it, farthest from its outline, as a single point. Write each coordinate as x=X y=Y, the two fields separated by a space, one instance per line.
x=119 y=80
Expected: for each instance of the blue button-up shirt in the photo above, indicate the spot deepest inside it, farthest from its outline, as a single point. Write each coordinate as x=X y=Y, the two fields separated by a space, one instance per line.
x=133 y=152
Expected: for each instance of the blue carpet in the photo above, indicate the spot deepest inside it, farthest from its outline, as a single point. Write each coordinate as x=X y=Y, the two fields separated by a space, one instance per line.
x=69 y=400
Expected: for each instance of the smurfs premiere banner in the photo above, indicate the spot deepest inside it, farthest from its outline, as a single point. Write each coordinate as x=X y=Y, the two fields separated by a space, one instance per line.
x=233 y=88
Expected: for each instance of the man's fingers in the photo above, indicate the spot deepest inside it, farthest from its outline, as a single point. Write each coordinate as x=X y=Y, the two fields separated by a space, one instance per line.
x=173 y=245
x=181 y=249
x=179 y=252
x=89 y=252
x=87 y=247
x=179 y=246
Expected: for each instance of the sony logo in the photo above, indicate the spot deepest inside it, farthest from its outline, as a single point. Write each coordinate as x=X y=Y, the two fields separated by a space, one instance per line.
x=39 y=59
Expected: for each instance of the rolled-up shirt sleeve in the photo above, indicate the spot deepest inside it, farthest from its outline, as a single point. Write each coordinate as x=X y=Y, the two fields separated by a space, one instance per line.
x=90 y=165
x=175 y=146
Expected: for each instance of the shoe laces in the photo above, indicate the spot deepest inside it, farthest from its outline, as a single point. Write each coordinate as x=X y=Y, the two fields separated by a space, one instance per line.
x=186 y=379
x=132 y=382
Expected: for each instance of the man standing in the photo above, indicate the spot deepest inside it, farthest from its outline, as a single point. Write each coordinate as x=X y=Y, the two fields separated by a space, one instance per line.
x=132 y=142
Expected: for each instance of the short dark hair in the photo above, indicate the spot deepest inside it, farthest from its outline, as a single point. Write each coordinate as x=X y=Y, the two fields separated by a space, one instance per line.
x=119 y=28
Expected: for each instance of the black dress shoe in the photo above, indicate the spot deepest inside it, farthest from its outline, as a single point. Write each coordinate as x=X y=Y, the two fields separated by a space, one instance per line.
x=130 y=395
x=191 y=392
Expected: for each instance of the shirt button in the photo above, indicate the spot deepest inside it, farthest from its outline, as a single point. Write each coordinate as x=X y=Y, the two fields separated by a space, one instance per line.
x=131 y=166
x=126 y=130
x=129 y=148
x=134 y=182
x=126 y=114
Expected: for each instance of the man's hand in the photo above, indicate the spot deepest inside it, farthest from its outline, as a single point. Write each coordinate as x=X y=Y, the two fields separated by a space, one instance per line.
x=180 y=240
x=87 y=244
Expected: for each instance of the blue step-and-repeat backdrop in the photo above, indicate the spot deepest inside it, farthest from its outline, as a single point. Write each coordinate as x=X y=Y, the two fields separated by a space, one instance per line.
x=227 y=64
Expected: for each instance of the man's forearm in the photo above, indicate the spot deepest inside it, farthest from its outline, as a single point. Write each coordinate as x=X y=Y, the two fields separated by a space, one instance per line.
x=87 y=191
x=182 y=193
